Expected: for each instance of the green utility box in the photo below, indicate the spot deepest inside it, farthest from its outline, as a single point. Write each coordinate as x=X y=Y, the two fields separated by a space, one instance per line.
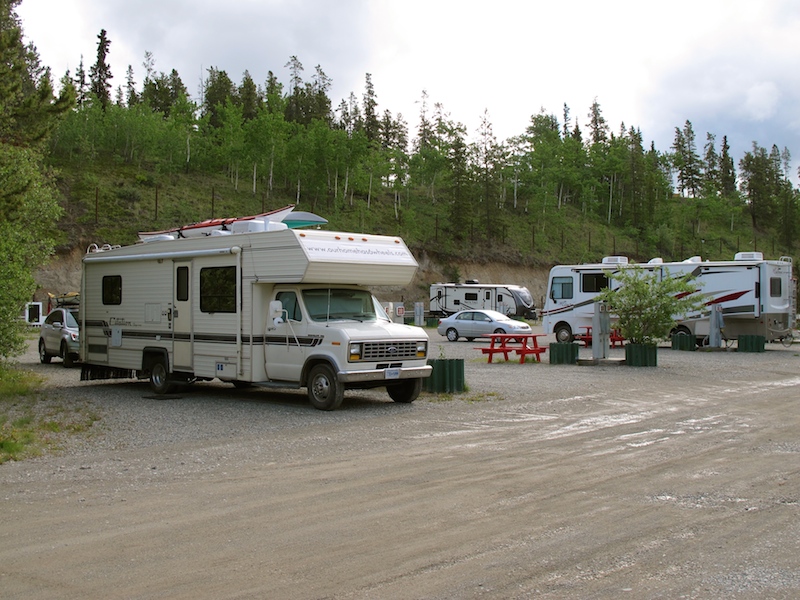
x=563 y=353
x=752 y=343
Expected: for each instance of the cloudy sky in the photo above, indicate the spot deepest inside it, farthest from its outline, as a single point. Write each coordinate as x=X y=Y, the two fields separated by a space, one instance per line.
x=731 y=67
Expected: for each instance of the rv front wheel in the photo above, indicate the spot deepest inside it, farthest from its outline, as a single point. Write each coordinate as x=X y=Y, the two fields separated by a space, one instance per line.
x=324 y=390
x=159 y=377
x=405 y=392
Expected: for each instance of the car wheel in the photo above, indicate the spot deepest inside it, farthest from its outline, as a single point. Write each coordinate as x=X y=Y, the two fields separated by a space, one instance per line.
x=324 y=390
x=452 y=335
x=405 y=392
x=65 y=354
x=159 y=377
x=44 y=357
x=499 y=330
x=563 y=333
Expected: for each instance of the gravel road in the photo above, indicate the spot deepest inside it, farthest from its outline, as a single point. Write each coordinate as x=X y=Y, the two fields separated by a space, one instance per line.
x=540 y=481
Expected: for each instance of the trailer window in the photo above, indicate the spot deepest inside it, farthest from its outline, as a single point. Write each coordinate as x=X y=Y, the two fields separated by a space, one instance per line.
x=561 y=288
x=112 y=289
x=471 y=296
x=775 y=288
x=218 y=289
x=182 y=286
x=593 y=282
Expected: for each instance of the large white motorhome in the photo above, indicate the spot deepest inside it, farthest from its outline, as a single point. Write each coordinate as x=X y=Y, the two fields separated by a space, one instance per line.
x=511 y=300
x=281 y=308
x=756 y=296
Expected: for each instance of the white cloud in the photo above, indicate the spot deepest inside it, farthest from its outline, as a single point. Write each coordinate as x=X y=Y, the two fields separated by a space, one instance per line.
x=761 y=101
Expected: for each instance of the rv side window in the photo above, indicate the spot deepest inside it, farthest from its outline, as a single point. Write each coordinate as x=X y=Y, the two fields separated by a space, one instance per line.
x=182 y=285
x=218 y=289
x=489 y=296
x=561 y=288
x=290 y=305
x=593 y=282
x=112 y=289
x=471 y=296
x=775 y=287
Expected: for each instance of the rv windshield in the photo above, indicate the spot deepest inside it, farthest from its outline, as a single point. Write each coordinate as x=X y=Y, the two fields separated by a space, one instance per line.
x=342 y=304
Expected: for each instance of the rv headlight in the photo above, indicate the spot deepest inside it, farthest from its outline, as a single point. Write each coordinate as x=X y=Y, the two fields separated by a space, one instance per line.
x=422 y=349
x=355 y=351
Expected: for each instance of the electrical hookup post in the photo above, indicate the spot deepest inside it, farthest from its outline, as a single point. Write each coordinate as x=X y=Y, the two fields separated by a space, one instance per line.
x=419 y=314
x=716 y=325
x=601 y=331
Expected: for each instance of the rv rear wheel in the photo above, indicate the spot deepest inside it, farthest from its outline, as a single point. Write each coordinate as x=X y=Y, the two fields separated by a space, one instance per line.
x=563 y=333
x=405 y=392
x=324 y=390
x=159 y=377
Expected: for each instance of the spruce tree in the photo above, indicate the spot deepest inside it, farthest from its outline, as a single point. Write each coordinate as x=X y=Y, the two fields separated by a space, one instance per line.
x=100 y=73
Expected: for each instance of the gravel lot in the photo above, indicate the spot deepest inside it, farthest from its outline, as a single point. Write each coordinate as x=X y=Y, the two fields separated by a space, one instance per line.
x=540 y=481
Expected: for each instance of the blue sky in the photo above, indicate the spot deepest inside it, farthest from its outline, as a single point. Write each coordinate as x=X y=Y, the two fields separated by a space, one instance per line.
x=731 y=67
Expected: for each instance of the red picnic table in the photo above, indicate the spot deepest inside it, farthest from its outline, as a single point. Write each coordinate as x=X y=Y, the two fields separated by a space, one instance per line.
x=586 y=337
x=523 y=344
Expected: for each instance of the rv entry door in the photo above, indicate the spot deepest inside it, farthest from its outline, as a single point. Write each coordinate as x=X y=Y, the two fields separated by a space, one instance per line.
x=182 y=318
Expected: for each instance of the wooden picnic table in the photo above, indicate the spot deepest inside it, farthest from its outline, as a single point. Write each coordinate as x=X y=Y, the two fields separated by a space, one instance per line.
x=522 y=344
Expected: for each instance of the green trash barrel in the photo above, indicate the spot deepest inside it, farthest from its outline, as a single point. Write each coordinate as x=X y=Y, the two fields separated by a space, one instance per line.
x=641 y=355
x=447 y=376
x=563 y=353
x=682 y=341
x=751 y=343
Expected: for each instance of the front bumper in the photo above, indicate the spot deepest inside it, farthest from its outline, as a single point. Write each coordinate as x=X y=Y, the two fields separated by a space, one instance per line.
x=380 y=374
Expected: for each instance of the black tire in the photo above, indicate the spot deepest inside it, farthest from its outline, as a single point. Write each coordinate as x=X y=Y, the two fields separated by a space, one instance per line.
x=563 y=333
x=499 y=330
x=452 y=335
x=680 y=330
x=242 y=385
x=44 y=357
x=405 y=392
x=325 y=392
x=69 y=360
x=160 y=380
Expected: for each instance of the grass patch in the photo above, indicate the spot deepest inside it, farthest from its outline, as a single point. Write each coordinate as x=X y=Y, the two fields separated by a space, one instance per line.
x=33 y=422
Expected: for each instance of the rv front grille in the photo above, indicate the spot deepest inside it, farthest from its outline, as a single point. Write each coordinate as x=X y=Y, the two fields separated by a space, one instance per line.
x=374 y=351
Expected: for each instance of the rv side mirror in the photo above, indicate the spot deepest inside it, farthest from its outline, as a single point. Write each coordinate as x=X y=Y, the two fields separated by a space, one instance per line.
x=275 y=309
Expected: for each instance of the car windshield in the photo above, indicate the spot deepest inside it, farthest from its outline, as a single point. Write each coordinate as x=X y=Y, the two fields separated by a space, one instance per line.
x=342 y=304
x=72 y=321
x=499 y=316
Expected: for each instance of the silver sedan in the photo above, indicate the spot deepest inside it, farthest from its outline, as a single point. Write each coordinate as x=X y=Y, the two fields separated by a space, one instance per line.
x=475 y=323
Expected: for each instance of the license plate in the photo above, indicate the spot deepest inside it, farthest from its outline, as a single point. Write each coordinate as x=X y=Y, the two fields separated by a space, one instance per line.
x=392 y=373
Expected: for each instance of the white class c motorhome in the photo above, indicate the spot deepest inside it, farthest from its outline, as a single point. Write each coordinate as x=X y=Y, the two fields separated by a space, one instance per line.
x=268 y=306
x=756 y=296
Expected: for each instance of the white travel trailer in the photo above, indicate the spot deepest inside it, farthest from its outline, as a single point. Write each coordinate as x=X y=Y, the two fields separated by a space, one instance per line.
x=269 y=306
x=511 y=300
x=756 y=296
